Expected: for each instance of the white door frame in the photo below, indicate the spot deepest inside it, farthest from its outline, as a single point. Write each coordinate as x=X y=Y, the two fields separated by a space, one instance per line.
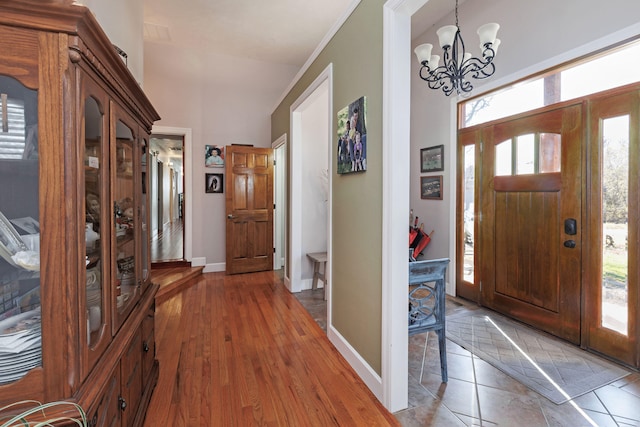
x=295 y=186
x=280 y=199
x=188 y=182
x=396 y=93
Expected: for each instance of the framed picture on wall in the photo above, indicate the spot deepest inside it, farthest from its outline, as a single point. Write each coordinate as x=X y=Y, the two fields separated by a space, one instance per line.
x=214 y=156
x=431 y=187
x=214 y=183
x=432 y=159
x=352 y=137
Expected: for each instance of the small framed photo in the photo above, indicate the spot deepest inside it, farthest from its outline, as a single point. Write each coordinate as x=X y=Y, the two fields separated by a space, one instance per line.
x=432 y=159
x=431 y=187
x=213 y=156
x=214 y=183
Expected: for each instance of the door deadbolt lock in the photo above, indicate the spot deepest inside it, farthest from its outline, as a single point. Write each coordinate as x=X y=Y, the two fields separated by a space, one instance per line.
x=570 y=244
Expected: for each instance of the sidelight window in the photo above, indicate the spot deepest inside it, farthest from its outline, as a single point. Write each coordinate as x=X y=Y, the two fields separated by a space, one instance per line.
x=615 y=218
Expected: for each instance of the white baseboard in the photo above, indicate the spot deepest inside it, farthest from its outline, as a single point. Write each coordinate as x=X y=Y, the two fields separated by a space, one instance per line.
x=212 y=268
x=362 y=368
x=198 y=261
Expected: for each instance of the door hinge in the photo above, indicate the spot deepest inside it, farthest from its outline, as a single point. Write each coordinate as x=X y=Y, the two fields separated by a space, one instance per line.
x=274 y=162
x=481 y=146
x=274 y=206
x=274 y=250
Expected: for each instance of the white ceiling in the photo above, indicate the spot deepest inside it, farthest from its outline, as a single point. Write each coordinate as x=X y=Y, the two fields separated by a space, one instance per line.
x=278 y=31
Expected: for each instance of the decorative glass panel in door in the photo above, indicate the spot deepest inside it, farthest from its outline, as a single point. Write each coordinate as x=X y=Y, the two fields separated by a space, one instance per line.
x=20 y=315
x=94 y=227
x=124 y=281
x=144 y=201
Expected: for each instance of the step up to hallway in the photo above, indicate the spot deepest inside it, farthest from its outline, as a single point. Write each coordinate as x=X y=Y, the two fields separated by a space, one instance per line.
x=174 y=280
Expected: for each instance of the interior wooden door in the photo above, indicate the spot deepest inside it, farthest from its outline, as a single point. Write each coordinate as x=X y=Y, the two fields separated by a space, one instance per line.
x=531 y=223
x=612 y=270
x=249 y=209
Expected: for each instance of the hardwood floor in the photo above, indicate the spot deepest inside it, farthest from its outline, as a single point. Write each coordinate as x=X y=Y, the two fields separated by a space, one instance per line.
x=241 y=350
x=168 y=244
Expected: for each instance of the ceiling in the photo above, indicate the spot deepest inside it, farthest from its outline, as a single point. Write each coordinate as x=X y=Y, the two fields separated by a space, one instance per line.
x=278 y=31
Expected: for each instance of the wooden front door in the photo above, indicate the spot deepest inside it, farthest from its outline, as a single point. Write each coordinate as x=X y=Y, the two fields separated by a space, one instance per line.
x=249 y=209
x=531 y=226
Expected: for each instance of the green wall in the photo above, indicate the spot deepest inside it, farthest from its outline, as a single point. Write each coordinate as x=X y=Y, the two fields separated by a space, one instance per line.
x=356 y=289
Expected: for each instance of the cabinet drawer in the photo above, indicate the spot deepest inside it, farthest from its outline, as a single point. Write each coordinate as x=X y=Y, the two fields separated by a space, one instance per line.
x=148 y=345
x=108 y=412
x=131 y=377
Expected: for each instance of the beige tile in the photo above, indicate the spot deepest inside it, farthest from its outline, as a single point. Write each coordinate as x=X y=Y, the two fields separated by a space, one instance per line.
x=510 y=409
x=568 y=415
x=459 y=396
x=429 y=414
x=620 y=403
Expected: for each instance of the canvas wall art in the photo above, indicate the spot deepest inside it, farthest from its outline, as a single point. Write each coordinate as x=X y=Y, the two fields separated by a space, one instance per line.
x=352 y=137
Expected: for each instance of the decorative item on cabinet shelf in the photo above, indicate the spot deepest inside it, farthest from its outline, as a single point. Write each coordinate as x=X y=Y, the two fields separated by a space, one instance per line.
x=123 y=212
x=123 y=55
x=20 y=345
x=35 y=414
x=14 y=250
x=91 y=238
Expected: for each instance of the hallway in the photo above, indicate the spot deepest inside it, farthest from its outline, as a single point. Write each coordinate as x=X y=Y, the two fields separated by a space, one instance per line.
x=241 y=350
x=168 y=244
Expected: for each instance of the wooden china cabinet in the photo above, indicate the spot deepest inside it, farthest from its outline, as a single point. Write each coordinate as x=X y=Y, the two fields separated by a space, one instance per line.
x=76 y=301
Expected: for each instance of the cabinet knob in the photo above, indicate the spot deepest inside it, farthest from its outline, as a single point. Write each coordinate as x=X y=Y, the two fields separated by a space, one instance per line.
x=123 y=403
x=145 y=347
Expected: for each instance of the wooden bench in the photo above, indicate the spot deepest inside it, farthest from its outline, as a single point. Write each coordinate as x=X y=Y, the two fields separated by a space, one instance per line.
x=319 y=259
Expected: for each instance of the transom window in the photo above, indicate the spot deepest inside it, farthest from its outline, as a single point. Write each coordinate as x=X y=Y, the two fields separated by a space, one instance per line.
x=577 y=80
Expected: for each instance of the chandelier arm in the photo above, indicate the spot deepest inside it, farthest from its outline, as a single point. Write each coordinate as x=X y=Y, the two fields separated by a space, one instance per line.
x=478 y=68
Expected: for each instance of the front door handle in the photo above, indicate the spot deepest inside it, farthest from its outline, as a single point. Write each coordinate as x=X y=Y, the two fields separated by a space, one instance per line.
x=570 y=244
x=230 y=216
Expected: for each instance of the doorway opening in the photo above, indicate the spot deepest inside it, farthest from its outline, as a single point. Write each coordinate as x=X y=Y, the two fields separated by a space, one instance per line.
x=310 y=188
x=170 y=210
x=167 y=195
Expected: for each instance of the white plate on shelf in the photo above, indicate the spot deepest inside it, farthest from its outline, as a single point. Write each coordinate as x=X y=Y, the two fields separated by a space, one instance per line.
x=23 y=321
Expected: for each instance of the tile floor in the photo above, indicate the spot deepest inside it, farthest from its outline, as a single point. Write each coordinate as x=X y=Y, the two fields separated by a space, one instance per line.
x=478 y=394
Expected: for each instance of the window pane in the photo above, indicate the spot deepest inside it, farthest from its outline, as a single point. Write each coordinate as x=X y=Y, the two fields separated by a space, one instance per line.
x=615 y=215
x=514 y=100
x=549 y=152
x=503 y=158
x=469 y=222
x=580 y=79
x=526 y=155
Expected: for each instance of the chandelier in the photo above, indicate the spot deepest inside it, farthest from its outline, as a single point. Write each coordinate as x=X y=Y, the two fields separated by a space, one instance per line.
x=459 y=66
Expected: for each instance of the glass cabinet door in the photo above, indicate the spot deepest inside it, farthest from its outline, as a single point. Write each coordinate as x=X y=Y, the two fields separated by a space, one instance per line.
x=126 y=289
x=20 y=318
x=144 y=202
x=94 y=173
